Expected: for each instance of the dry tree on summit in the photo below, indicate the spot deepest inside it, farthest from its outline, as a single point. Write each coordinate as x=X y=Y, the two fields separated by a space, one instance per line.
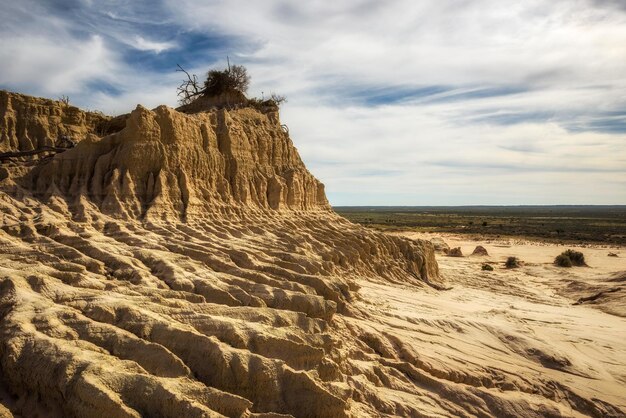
x=189 y=89
x=234 y=78
x=232 y=82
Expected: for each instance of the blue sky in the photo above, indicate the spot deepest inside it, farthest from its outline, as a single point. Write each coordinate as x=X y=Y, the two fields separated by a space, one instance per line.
x=398 y=102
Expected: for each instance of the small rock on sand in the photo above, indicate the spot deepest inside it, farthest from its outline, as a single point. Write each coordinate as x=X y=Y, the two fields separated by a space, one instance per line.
x=440 y=245
x=480 y=250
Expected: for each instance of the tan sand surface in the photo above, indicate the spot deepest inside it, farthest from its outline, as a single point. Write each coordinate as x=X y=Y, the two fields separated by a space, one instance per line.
x=519 y=326
x=188 y=265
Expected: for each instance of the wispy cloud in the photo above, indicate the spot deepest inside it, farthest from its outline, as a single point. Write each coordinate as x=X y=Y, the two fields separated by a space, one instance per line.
x=396 y=102
x=145 y=45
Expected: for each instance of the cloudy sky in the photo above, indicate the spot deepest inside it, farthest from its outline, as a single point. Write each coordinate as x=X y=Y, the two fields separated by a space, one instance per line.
x=394 y=102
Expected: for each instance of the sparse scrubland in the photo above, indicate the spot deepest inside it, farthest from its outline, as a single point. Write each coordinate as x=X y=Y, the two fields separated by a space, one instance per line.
x=558 y=224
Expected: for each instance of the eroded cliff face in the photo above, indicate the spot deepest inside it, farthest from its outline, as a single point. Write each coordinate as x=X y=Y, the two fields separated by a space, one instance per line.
x=28 y=123
x=190 y=265
x=184 y=265
x=169 y=165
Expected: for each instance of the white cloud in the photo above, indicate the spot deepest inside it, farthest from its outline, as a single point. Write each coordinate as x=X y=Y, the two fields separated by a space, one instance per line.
x=52 y=67
x=391 y=156
x=145 y=45
x=568 y=59
x=423 y=43
x=40 y=52
x=562 y=64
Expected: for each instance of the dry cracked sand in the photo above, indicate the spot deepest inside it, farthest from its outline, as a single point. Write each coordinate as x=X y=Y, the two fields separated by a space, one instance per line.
x=188 y=265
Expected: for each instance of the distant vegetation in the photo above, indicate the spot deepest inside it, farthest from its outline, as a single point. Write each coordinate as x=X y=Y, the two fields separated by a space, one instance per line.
x=563 y=261
x=512 y=262
x=570 y=258
x=574 y=224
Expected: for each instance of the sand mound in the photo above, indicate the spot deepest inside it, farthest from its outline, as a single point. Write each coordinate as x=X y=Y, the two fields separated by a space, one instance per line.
x=480 y=251
x=608 y=293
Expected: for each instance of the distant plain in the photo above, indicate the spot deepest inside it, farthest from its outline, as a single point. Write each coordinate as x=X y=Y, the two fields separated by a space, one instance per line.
x=566 y=224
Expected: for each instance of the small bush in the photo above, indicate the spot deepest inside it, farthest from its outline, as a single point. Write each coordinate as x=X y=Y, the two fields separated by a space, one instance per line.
x=562 y=260
x=612 y=255
x=273 y=103
x=578 y=259
x=487 y=267
x=512 y=262
x=570 y=258
x=234 y=78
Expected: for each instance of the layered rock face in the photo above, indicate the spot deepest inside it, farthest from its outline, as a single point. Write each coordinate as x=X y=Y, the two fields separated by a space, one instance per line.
x=166 y=164
x=186 y=265
x=189 y=265
x=28 y=123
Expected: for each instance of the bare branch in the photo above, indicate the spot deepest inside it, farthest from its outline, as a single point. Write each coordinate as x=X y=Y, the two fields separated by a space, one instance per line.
x=188 y=89
x=278 y=99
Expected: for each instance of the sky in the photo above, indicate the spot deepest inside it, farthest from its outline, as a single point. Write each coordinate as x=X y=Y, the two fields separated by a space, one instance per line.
x=395 y=102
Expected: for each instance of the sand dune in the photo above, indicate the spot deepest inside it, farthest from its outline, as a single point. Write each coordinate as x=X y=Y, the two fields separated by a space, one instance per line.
x=190 y=266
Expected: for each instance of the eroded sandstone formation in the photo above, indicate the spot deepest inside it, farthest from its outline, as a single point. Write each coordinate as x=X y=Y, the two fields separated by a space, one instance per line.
x=28 y=123
x=166 y=164
x=189 y=265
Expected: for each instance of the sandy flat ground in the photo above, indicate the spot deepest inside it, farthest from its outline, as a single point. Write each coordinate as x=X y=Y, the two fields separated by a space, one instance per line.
x=517 y=329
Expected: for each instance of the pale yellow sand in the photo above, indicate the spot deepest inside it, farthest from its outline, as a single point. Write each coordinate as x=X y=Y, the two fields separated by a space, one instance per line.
x=190 y=266
x=516 y=327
